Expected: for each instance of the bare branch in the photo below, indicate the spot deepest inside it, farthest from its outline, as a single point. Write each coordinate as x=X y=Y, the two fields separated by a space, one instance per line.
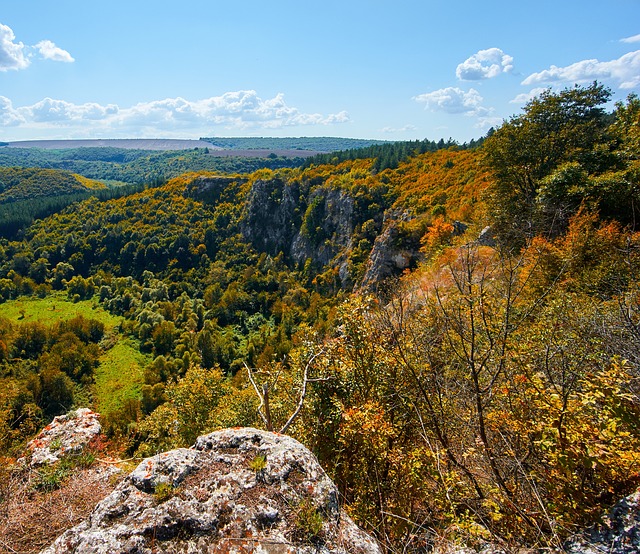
x=303 y=392
x=260 y=396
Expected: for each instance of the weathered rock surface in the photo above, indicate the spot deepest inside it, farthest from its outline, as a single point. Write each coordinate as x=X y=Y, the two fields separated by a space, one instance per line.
x=208 y=189
x=391 y=253
x=619 y=532
x=66 y=435
x=216 y=497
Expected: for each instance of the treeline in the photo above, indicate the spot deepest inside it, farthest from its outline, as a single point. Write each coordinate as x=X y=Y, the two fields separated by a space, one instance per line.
x=17 y=183
x=388 y=155
x=18 y=215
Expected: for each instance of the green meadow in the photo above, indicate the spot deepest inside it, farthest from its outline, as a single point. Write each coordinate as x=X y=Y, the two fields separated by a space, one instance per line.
x=54 y=308
x=121 y=371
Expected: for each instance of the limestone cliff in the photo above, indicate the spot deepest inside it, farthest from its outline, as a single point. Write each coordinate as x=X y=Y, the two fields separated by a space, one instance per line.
x=322 y=225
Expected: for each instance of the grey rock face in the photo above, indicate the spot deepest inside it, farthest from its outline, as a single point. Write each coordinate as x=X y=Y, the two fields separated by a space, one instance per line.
x=270 y=221
x=65 y=435
x=486 y=238
x=237 y=490
x=390 y=254
x=274 y=215
x=619 y=533
x=209 y=189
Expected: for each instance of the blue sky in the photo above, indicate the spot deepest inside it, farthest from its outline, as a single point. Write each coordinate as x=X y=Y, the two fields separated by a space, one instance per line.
x=363 y=68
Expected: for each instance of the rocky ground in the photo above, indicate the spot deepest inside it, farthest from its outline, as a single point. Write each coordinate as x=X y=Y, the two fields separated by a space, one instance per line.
x=236 y=490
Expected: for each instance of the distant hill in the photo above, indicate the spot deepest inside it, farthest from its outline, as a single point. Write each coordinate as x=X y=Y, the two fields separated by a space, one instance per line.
x=130 y=165
x=276 y=145
x=128 y=144
x=313 y=144
x=30 y=193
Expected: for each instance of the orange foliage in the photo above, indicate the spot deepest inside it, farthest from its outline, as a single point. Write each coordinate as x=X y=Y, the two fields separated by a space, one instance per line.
x=439 y=234
x=450 y=178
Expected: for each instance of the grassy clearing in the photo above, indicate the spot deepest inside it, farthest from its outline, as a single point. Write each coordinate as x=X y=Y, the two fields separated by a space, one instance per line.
x=53 y=308
x=119 y=376
x=121 y=371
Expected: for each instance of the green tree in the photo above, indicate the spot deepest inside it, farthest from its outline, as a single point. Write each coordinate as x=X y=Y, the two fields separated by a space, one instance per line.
x=556 y=129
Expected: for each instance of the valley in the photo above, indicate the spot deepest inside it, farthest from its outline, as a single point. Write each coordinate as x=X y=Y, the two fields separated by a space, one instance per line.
x=473 y=391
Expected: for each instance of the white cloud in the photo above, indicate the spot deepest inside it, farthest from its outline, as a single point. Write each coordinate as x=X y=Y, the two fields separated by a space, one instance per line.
x=12 y=54
x=49 y=51
x=168 y=117
x=485 y=64
x=524 y=97
x=15 y=55
x=404 y=129
x=453 y=100
x=630 y=40
x=241 y=109
x=485 y=123
x=59 y=111
x=9 y=117
x=625 y=71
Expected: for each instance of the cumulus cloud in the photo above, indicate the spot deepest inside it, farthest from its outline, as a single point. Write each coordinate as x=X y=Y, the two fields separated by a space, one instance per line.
x=9 y=117
x=485 y=64
x=524 y=97
x=49 y=51
x=12 y=54
x=625 y=71
x=167 y=117
x=630 y=40
x=59 y=111
x=15 y=55
x=453 y=100
x=241 y=109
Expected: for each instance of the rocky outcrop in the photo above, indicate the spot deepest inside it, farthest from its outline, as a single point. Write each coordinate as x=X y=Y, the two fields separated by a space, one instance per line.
x=328 y=241
x=272 y=215
x=209 y=189
x=391 y=253
x=66 y=435
x=237 y=490
x=619 y=532
x=280 y=218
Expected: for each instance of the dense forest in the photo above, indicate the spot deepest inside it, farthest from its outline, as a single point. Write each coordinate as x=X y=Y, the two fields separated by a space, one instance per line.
x=453 y=387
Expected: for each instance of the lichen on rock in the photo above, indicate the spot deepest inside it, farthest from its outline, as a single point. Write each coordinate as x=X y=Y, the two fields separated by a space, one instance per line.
x=66 y=435
x=216 y=498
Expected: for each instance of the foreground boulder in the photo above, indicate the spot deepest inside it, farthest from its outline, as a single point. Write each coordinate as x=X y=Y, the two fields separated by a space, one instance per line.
x=66 y=435
x=236 y=490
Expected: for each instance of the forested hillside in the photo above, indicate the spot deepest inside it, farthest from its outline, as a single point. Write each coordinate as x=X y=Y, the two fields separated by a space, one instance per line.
x=453 y=389
x=27 y=193
x=23 y=184
x=130 y=166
